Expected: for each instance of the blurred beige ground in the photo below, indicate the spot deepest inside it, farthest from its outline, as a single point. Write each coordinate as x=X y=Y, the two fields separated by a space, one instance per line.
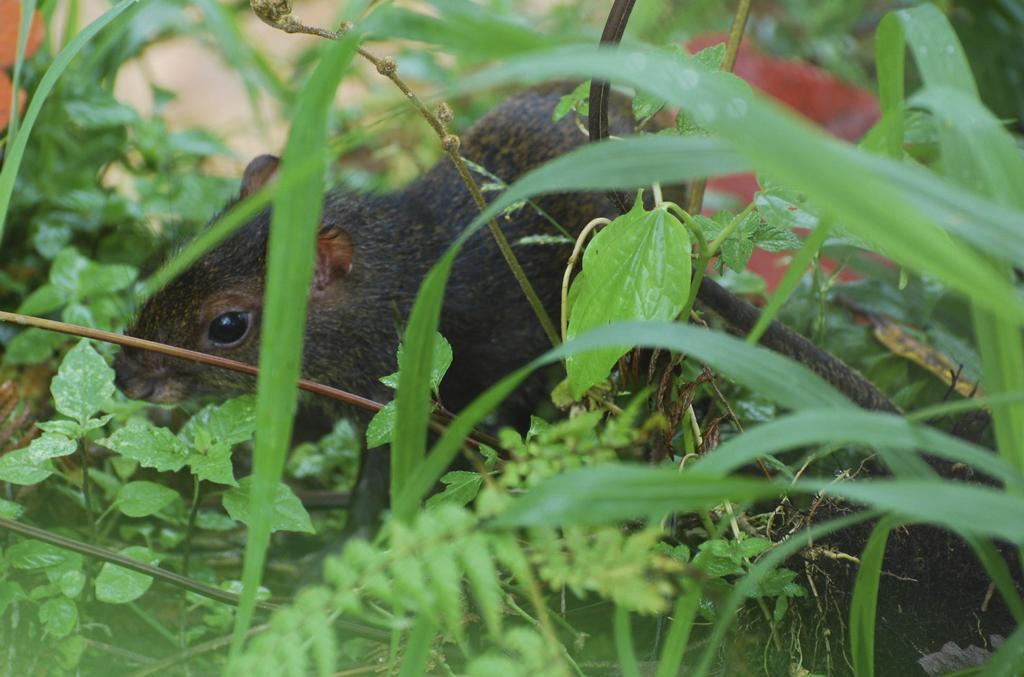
x=210 y=94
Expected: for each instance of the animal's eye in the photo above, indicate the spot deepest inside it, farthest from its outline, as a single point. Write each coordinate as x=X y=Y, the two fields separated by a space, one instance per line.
x=228 y=329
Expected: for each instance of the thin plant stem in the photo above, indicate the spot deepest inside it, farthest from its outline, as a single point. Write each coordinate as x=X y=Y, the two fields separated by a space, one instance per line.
x=600 y=221
x=732 y=49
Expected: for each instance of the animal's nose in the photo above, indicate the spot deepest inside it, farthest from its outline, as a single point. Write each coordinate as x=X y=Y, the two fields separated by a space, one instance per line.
x=127 y=380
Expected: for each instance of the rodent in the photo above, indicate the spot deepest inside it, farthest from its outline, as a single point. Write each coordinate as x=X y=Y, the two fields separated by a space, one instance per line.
x=373 y=251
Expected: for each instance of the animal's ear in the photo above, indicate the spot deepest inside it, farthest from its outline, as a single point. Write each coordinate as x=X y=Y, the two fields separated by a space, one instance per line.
x=260 y=171
x=334 y=253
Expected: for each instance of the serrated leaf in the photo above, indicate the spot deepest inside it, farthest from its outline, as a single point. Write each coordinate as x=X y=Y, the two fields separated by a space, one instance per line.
x=577 y=98
x=483 y=578
x=150 y=445
x=117 y=585
x=60 y=426
x=18 y=467
x=636 y=268
x=58 y=616
x=461 y=487
x=32 y=346
x=711 y=56
x=381 y=426
x=84 y=383
x=10 y=510
x=32 y=554
x=752 y=547
x=440 y=361
x=230 y=423
x=446 y=580
x=9 y=592
x=50 y=445
x=213 y=465
x=646 y=105
x=138 y=499
x=288 y=513
x=736 y=251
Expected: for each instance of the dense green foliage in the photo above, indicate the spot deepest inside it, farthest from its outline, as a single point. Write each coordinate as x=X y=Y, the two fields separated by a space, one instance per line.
x=625 y=533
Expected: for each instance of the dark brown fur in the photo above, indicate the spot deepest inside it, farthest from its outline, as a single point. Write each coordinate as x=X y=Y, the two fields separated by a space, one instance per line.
x=351 y=335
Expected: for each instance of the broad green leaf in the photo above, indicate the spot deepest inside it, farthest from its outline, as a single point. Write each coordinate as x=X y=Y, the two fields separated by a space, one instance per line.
x=61 y=426
x=150 y=445
x=287 y=513
x=636 y=268
x=9 y=592
x=58 y=616
x=12 y=511
x=117 y=585
x=20 y=467
x=138 y=499
x=442 y=359
x=381 y=426
x=213 y=464
x=50 y=445
x=461 y=487
x=32 y=554
x=230 y=423
x=84 y=383
x=44 y=300
x=32 y=346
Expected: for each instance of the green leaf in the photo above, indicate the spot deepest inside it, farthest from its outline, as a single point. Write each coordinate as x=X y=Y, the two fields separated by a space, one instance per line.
x=828 y=171
x=9 y=592
x=58 y=616
x=381 y=426
x=49 y=446
x=150 y=445
x=288 y=513
x=863 y=606
x=229 y=423
x=20 y=467
x=117 y=585
x=576 y=99
x=9 y=510
x=213 y=465
x=84 y=383
x=461 y=487
x=32 y=346
x=138 y=499
x=99 y=278
x=636 y=268
x=289 y=272
x=600 y=495
x=16 y=147
x=44 y=300
x=32 y=554
x=61 y=426
x=442 y=359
